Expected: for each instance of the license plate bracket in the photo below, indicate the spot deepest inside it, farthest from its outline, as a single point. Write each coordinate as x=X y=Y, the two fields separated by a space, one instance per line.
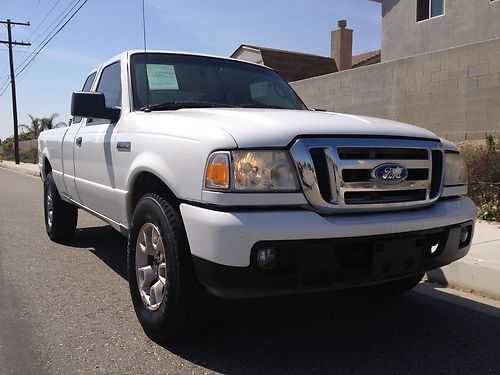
x=397 y=257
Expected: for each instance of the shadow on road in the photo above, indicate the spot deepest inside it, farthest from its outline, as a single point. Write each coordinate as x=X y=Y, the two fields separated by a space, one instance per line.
x=106 y=244
x=331 y=333
x=345 y=333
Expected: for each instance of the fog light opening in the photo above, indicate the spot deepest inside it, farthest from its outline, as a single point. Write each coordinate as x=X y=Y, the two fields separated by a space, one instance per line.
x=267 y=258
x=465 y=233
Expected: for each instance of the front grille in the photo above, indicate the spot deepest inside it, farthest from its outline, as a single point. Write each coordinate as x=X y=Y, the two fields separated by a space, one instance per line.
x=354 y=153
x=360 y=175
x=341 y=174
x=380 y=196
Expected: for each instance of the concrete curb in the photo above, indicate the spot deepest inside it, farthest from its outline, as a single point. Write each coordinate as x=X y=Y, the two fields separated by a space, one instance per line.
x=29 y=169
x=479 y=271
x=464 y=275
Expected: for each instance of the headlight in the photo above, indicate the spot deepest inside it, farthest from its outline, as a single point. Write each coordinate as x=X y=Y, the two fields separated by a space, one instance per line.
x=263 y=170
x=455 y=172
x=251 y=171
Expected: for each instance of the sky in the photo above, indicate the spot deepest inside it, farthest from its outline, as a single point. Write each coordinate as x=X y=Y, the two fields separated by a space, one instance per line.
x=104 y=28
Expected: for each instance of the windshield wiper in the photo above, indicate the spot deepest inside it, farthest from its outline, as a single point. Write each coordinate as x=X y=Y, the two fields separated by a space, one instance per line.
x=262 y=105
x=182 y=104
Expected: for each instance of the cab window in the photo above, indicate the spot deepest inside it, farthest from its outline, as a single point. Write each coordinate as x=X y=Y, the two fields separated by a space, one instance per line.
x=86 y=87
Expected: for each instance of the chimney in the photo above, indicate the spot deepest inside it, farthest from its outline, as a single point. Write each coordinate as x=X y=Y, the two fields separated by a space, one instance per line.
x=342 y=46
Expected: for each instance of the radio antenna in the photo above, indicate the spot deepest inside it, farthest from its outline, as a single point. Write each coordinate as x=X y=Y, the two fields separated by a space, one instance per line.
x=145 y=50
x=144 y=23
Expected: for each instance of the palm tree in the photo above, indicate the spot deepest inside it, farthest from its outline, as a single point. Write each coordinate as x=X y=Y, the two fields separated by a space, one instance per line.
x=40 y=124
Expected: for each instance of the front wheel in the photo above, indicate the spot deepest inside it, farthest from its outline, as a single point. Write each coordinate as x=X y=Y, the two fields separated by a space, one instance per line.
x=160 y=272
x=60 y=217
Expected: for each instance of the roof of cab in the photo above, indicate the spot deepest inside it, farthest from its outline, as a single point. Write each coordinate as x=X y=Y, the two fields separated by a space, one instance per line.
x=125 y=55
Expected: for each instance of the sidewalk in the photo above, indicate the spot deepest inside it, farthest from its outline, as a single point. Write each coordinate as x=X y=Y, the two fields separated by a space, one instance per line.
x=479 y=271
x=31 y=169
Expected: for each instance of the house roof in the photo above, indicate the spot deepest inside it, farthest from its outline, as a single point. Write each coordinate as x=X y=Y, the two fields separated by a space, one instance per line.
x=293 y=66
x=367 y=58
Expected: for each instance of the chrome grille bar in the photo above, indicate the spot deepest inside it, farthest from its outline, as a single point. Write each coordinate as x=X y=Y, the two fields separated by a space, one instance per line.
x=326 y=190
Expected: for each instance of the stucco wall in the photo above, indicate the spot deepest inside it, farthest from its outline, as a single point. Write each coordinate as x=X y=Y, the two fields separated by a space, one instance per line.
x=249 y=55
x=453 y=92
x=464 y=22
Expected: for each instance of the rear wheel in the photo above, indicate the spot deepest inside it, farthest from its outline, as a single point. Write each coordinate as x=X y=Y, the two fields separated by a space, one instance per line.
x=60 y=217
x=160 y=272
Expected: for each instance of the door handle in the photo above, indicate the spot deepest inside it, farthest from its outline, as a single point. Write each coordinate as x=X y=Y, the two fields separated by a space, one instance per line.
x=79 y=142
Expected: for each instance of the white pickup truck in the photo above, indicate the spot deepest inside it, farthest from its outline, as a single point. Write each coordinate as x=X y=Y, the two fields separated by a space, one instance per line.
x=226 y=183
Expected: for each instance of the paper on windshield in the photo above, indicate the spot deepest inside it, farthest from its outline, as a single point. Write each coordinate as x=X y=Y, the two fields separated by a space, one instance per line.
x=162 y=77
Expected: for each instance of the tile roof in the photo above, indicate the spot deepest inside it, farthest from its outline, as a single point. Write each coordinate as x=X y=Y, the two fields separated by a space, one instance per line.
x=367 y=58
x=294 y=66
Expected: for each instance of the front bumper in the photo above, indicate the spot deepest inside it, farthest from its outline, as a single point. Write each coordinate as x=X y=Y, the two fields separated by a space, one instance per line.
x=223 y=245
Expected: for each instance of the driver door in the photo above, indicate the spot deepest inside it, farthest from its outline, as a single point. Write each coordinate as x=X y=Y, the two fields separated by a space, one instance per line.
x=95 y=175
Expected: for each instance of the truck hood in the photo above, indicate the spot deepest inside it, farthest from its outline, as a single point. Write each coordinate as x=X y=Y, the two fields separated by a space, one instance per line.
x=277 y=128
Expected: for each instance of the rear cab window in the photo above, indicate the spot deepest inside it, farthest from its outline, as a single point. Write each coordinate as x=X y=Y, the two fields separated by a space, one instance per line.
x=110 y=85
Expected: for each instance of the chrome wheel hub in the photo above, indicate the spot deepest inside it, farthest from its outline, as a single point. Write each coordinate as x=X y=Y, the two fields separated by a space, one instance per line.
x=49 y=208
x=151 y=268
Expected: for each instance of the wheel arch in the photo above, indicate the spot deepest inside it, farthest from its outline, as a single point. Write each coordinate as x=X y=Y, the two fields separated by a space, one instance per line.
x=46 y=166
x=144 y=182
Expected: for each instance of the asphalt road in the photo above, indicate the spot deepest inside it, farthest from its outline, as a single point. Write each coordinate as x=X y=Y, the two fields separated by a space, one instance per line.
x=66 y=309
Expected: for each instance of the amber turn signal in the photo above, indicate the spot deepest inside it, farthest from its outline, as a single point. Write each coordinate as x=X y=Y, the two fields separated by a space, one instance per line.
x=217 y=174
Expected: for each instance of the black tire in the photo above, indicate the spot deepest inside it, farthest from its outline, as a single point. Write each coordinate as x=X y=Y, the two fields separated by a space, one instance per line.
x=61 y=224
x=181 y=290
x=393 y=288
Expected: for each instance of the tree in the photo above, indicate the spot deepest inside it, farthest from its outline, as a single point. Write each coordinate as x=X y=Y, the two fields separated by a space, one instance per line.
x=39 y=124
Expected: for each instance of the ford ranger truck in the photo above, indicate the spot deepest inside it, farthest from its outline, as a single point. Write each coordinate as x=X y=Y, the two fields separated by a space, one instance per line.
x=226 y=183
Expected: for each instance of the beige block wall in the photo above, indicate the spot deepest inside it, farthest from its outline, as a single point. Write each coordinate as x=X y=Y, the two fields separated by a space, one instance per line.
x=454 y=93
x=28 y=145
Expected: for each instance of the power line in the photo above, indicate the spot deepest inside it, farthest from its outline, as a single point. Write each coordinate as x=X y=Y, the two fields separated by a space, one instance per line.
x=44 y=18
x=52 y=37
x=47 y=41
x=64 y=14
x=34 y=10
x=4 y=70
x=59 y=19
x=17 y=51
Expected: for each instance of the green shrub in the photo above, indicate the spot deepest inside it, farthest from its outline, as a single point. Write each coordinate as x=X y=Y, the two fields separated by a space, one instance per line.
x=489 y=211
x=24 y=156
x=483 y=162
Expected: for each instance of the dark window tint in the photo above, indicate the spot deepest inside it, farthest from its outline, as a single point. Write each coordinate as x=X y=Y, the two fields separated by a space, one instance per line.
x=110 y=85
x=86 y=87
x=422 y=10
x=205 y=81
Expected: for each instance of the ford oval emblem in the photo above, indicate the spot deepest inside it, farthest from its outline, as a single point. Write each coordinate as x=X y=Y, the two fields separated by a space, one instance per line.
x=389 y=173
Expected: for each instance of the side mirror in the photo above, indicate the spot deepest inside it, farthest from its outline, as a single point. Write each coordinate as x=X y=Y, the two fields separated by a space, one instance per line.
x=93 y=105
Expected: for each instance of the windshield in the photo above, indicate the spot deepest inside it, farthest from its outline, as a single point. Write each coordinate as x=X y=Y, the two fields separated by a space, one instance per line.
x=163 y=81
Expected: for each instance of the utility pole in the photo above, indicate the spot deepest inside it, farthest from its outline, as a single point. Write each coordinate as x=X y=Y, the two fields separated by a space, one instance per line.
x=10 y=43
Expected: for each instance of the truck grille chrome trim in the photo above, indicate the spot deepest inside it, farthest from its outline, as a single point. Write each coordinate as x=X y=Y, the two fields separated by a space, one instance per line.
x=360 y=174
